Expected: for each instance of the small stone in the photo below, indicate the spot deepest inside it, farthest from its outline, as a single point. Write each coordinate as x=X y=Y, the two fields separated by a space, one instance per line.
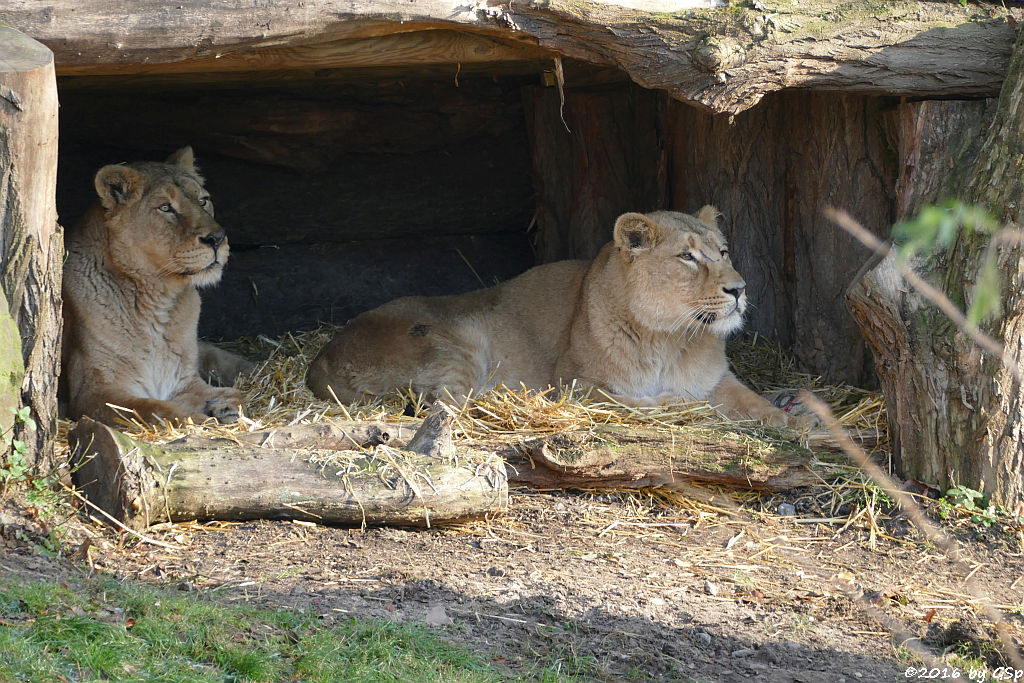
x=745 y=652
x=710 y=588
x=787 y=509
x=495 y=571
x=703 y=638
x=437 y=616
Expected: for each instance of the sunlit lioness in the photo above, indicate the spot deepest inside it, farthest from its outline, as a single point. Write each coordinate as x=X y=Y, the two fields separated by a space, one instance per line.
x=130 y=301
x=645 y=321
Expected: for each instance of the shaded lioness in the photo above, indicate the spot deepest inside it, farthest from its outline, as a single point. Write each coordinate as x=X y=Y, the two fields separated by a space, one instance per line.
x=130 y=302
x=645 y=321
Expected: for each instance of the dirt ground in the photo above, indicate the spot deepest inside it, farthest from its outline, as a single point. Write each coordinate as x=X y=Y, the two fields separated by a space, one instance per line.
x=608 y=586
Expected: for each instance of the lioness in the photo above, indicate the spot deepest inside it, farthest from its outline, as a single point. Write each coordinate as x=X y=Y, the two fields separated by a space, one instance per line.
x=130 y=302
x=644 y=321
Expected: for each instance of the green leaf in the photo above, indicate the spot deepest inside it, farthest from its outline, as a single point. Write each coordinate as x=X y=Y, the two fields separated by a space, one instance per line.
x=985 y=303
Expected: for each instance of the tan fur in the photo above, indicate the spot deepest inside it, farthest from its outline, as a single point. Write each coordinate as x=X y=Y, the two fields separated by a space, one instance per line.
x=130 y=302
x=645 y=321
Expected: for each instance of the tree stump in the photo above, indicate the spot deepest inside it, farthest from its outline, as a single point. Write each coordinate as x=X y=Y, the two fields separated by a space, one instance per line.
x=32 y=244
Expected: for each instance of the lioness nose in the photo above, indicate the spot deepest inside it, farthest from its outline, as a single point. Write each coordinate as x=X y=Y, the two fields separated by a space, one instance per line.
x=735 y=290
x=214 y=239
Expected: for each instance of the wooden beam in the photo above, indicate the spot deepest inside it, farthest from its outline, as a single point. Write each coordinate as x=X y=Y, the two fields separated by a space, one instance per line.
x=725 y=60
x=422 y=48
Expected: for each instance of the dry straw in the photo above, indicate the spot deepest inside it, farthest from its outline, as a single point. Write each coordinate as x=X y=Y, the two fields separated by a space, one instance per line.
x=277 y=397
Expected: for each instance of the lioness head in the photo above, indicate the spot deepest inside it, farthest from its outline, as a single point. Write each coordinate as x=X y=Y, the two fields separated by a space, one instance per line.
x=678 y=273
x=161 y=217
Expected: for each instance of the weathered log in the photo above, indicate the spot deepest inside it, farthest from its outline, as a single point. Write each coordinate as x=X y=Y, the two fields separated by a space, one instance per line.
x=619 y=456
x=725 y=59
x=198 y=478
x=608 y=456
x=338 y=436
x=31 y=243
x=615 y=456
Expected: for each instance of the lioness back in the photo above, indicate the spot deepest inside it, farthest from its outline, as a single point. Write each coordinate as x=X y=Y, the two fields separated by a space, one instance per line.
x=510 y=333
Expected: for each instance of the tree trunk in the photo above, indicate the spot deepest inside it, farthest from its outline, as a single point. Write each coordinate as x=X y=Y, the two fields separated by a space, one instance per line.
x=725 y=59
x=955 y=413
x=32 y=244
x=290 y=474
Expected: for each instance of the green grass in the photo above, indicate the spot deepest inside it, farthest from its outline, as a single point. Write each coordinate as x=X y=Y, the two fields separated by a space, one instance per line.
x=105 y=630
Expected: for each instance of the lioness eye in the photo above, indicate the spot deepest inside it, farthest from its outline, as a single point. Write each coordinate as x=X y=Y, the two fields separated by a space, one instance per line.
x=165 y=207
x=202 y=201
x=687 y=256
x=725 y=252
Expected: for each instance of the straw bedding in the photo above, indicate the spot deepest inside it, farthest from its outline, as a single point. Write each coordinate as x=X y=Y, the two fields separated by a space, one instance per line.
x=277 y=396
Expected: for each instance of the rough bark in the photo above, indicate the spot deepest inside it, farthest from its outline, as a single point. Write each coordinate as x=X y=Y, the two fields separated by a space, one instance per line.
x=725 y=60
x=286 y=474
x=12 y=373
x=927 y=370
x=956 y=413
x=31 y=243
x=596 y=154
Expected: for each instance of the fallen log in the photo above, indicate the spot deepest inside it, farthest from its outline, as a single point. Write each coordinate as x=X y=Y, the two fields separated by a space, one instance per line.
x=276 y=475
x=613 y=456
x=617 y=456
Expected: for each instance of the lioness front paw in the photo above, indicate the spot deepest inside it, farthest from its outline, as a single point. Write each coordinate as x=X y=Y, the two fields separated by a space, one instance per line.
x=798 y=415
x=226 y=412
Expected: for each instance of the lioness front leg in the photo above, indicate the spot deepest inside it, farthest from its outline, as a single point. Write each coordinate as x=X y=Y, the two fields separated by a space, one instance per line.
x=112 y=407
x=219 y=367
x=731 y=398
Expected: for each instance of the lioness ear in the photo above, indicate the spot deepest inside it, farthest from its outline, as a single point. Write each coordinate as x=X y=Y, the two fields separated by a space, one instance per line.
x=118 y=185
x=635 y=231
x=184 y=158
x=708 y=215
